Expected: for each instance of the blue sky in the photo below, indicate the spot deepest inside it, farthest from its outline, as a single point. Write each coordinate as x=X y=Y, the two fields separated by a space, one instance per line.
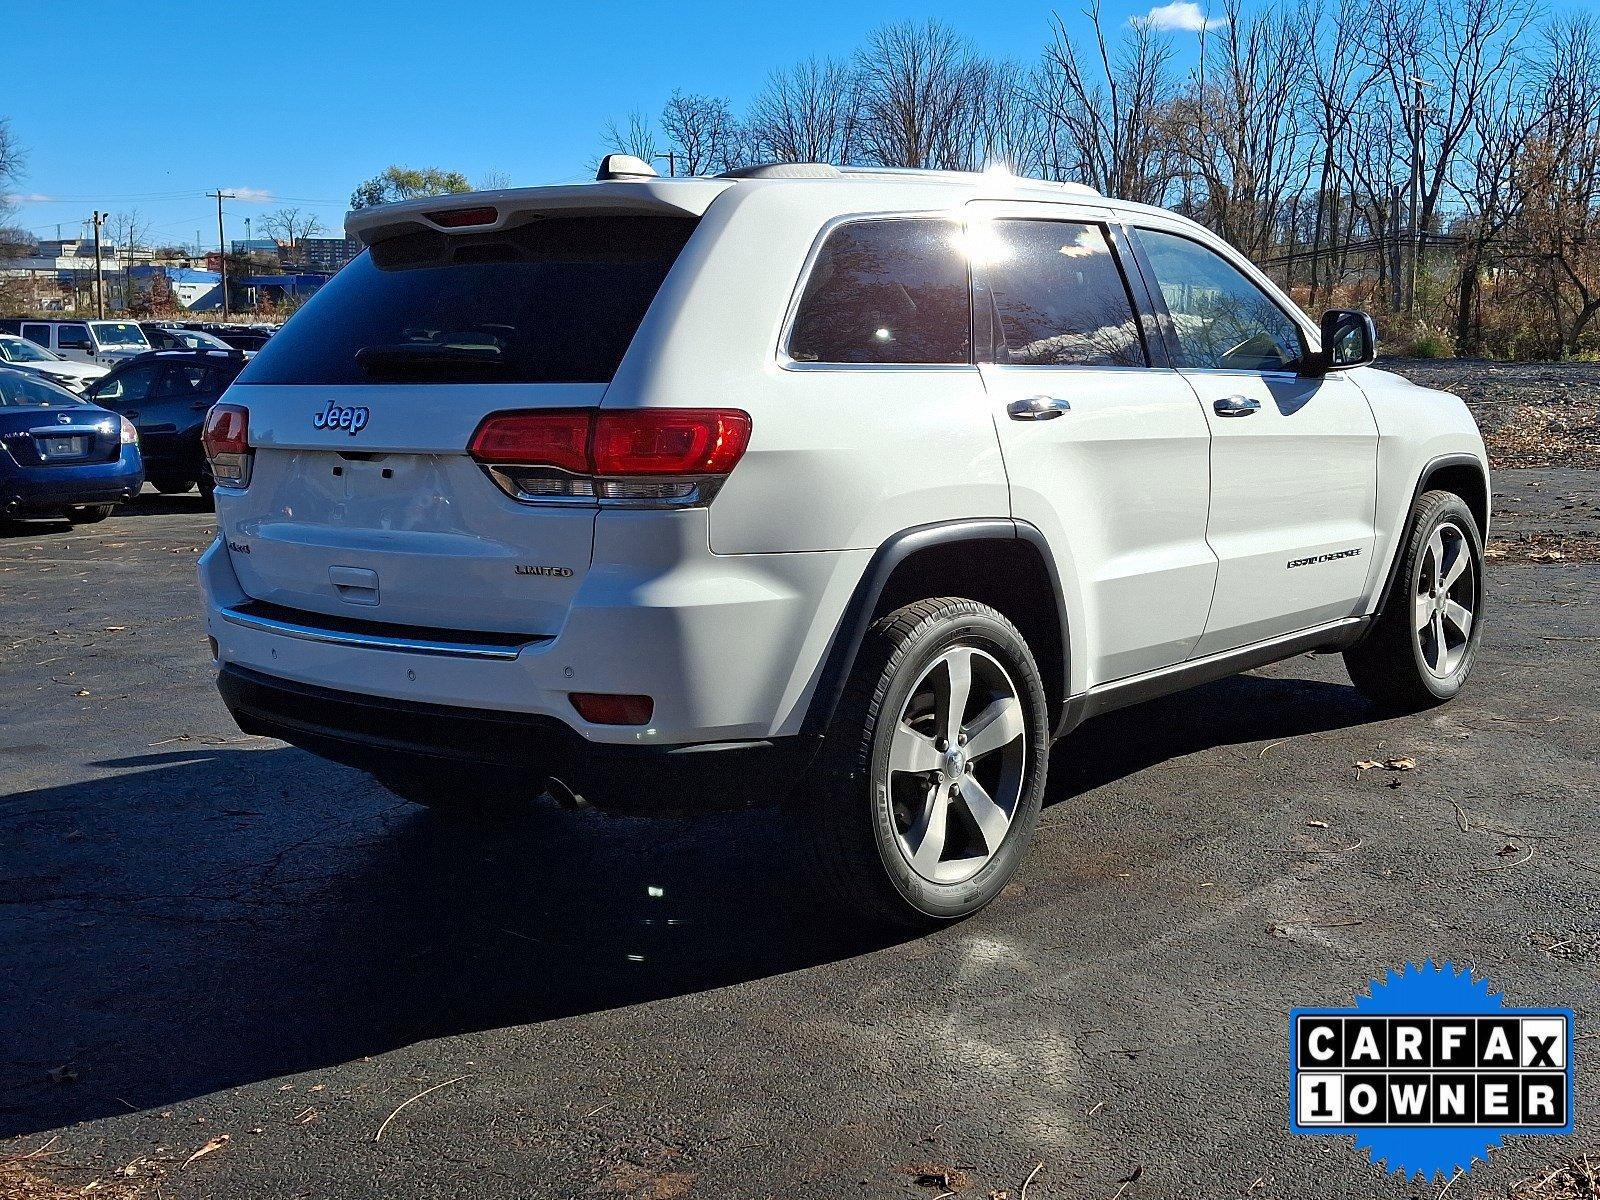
x=313 y=97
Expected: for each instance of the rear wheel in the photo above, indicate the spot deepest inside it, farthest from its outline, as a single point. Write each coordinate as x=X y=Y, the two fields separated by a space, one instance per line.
x=934 y=768
x=88 y=514
x=1421 y=649
x=171 y=485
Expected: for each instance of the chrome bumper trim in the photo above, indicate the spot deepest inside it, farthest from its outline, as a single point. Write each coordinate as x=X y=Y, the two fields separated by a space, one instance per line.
x=373 y=641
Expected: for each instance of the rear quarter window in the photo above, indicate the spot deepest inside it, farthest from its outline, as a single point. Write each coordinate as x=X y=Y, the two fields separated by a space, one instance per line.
x=555 y=301
x=886 y=291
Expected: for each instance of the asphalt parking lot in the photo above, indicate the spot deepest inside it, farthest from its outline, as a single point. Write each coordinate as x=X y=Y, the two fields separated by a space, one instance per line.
x=211 y=940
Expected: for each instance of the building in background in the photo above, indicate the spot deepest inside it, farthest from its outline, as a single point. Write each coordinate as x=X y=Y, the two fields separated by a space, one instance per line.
x=326 y=253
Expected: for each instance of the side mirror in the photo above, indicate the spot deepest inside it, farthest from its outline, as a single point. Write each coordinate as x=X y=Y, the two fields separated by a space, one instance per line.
x=1349 y=339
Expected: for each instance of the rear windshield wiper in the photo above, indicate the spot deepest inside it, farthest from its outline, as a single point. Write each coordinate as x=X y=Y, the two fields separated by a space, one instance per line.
x=431 y=360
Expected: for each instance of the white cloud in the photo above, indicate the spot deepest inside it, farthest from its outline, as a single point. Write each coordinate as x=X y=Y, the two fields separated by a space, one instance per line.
x=1180 y=15
x=252 y=195
x=29 y=198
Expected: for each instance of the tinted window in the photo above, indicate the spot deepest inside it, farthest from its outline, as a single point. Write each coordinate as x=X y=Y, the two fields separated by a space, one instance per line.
x=73 y=337
x=127 y=386
x=182 y=381
x=1223 y=321
x=886 y=292
x=37 y=333
x=21 y=390
x=554 y=301
x=1056 y=296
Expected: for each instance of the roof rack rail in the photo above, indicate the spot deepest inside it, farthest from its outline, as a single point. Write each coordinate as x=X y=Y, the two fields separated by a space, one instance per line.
x=965 y=176
x=784 y=170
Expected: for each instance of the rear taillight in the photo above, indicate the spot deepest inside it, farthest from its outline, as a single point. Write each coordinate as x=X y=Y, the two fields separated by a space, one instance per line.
x=130 y=435
x=604 y=708
x=226 y=439
x=645 y=457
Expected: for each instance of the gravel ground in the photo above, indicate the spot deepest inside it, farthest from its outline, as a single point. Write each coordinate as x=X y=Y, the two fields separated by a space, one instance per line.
x=211 y=940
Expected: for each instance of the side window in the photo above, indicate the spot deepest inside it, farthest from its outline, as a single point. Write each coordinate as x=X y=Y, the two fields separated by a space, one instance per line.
x=181 y=382
x=1056 y=297
x=39 y=335
x=1223 y=321
x=129 y=386
x=73 y=337
x=887 y=291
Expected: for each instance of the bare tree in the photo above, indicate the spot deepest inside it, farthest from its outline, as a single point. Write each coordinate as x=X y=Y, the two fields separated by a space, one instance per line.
x=1108 y=111
x=493 y=181
x=918 y=88
x=290 y=227
x=703 y=133
x=11 y=163
x=809 y=112
x=636 y=136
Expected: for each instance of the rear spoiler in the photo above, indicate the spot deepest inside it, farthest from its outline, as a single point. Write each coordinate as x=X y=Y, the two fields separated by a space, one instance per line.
x=484 y=212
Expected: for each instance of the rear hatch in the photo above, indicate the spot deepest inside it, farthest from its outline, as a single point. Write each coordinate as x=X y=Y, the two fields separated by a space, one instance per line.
x=363 y=501
x=42 y=426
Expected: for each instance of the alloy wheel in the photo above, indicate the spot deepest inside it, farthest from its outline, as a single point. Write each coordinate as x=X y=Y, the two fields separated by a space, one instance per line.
x=957 y=762
x=1446 y=600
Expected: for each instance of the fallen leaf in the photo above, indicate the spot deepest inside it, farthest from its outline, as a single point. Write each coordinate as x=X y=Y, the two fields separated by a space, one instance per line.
x=1366 y=764
x=211 y=1147
x=1507 y=851
x=1401 y=764
x=1317 y=824
x=81 y=692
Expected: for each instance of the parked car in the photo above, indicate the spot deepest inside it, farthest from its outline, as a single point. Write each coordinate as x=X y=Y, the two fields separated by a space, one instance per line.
x=846 y=486
x=243 y=339
x=166 y=394
x=174 y=337
x=105 y=342
x=61 y=454
x=20 y=353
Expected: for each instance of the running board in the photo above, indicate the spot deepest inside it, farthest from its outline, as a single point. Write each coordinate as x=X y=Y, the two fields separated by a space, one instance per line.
x=1136 y=689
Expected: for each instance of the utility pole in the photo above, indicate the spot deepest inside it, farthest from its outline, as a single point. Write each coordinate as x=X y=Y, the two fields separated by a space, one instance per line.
x=672 y=162
x=222 y=249
x=99 y=276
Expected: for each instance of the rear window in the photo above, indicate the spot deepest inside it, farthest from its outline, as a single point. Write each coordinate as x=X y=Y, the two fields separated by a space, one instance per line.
x=554 y=301
x=886 y=291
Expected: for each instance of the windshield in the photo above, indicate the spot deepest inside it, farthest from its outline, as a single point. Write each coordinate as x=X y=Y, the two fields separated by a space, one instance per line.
x=120 y=333
x=196 y=340
x=15 y=349
x=555 y=301
x=20 y=390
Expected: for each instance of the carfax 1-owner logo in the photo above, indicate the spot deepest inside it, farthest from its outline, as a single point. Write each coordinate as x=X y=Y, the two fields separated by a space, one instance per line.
x=1430 y=1070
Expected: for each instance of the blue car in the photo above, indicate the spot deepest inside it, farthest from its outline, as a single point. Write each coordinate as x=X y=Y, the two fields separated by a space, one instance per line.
x=59 y=454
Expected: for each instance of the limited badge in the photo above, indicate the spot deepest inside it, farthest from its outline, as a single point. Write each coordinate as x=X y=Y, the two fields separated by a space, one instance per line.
x=1430 y=1070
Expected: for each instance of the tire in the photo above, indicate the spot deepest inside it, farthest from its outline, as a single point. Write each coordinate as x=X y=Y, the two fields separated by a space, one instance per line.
x=88 y=514
x=895 y=843
x=208 y=489
x=1401 y=666
x=169 y=485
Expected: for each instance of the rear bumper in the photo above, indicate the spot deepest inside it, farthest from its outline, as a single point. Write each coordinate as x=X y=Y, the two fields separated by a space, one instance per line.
x=49 y=489
x=375 y=733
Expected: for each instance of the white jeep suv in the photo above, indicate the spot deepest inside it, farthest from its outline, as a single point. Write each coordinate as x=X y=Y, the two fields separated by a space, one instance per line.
x=660 y=492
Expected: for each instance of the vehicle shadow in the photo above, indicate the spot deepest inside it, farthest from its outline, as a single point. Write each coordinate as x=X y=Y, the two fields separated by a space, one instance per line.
x=208 y=917
x=149 y=503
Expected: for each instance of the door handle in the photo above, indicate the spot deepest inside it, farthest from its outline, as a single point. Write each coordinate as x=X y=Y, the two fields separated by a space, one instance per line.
x=130 y=413
x=1037 y=408
x=1237 y=406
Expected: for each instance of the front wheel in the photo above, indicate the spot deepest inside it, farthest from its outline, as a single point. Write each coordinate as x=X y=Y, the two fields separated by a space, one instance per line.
x=934 y=766
x=1421 y=648
x=88 y=514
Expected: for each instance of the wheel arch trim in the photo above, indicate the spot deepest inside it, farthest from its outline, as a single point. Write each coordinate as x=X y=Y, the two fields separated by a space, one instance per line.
x=1396 y=551
x=852 y=628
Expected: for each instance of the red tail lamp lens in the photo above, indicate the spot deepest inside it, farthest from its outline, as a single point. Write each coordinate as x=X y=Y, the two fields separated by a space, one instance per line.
x=558 y=438
x=227 y=430
x=670 y=441
x=603 y=708
x=455 y=218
